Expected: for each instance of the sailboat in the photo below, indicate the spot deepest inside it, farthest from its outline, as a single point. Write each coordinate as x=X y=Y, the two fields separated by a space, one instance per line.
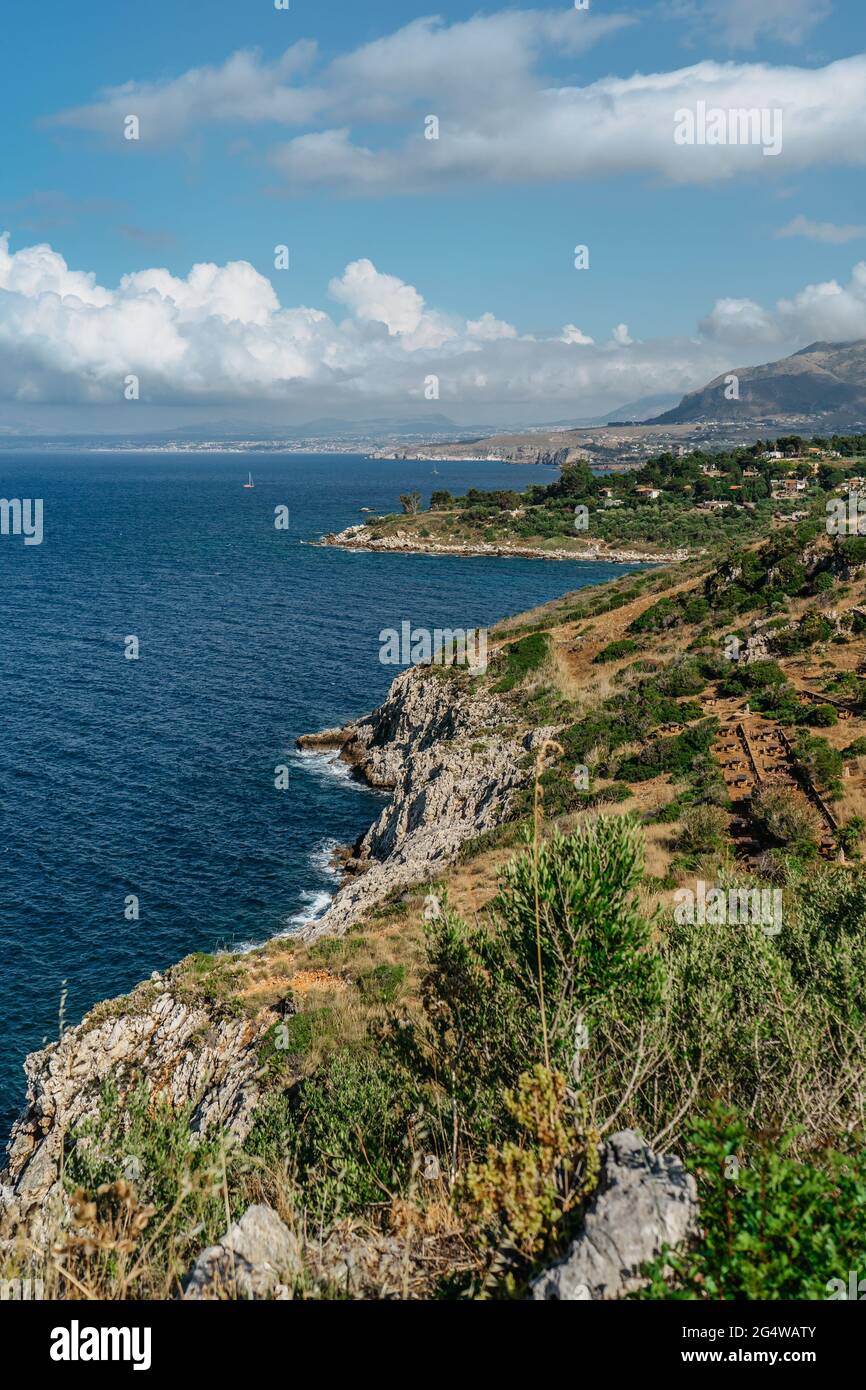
x=250 y=483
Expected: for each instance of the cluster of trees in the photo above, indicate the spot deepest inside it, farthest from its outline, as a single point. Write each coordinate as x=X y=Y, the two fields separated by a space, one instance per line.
x=683 y=479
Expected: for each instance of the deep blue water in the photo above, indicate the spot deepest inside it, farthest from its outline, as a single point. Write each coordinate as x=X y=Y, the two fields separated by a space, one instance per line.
x=155 y=777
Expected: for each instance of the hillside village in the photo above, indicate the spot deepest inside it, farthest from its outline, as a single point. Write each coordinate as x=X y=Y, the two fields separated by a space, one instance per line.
x=676 y=502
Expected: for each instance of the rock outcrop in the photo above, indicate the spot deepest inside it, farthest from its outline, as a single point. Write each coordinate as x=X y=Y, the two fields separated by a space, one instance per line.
x=187 y=1053
x=258 y=1257
x=452 y=757
x=363 y=537
x=757 y=647
x=643 y=1202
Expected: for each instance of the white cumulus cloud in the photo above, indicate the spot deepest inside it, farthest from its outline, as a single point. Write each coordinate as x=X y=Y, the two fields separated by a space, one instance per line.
x=219 y=334
x=572 y=334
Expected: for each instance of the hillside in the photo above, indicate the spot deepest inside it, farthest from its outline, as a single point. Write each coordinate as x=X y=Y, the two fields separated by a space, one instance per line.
x=822 y=380
x=608 y=445
x=677 y=502
x=399 y=1097
x=820 y=389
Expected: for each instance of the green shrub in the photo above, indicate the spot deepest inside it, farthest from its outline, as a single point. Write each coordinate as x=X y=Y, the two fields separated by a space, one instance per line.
x=483 y=1022
x=749 y=1013
x=820 y=759
x=382 y=983
x=849 y=836
x=785 y=820
x=521 y=1196
x=521 y=659
x=660 y=615
x=771 y=1227
x=822 y=716
x=614 y=650
x=695 y=609
x=683 y=677
x=813 y=627
x=180 y=1174
x=677 y=755
x=350 y=1135
x=703 y=830
x=289 y=1041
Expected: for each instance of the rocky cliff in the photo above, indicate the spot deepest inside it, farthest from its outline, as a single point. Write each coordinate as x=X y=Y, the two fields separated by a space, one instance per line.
x=451 y=755
x=187 y=1053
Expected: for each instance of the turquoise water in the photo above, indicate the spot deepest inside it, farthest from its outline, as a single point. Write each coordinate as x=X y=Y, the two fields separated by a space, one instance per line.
x=155 y=777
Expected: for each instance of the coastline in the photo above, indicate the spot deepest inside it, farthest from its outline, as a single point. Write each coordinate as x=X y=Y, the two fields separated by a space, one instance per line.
x=360 y=537
x=452 y=758
x=217 y=1041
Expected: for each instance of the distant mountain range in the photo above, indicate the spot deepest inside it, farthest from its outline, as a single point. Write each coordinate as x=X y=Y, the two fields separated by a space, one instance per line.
x=823 y=380
x=633 y=411
x=328 y=427
x=240 y=428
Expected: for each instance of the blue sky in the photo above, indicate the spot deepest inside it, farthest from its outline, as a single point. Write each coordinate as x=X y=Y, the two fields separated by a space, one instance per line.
x=489 y=229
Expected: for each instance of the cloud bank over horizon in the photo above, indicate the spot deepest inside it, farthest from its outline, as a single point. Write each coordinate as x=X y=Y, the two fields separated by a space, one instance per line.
x=221 y=334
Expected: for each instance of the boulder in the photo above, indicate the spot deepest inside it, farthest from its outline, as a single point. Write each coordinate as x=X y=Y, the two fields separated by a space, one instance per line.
x=643 y=1201
x=258 y=1257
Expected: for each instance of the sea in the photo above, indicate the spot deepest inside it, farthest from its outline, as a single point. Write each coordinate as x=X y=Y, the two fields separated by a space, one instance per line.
x=160 y=652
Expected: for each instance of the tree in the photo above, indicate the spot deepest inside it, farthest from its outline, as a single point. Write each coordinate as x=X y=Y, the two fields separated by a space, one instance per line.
x=822 y=716
x=410 y=502
x=572 y=908
x=791 y=445
x=788 y=822
x=577 y=480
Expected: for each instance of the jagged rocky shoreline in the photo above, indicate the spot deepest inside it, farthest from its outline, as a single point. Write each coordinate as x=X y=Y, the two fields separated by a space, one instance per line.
x=187 y=1053
x=451 y=757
